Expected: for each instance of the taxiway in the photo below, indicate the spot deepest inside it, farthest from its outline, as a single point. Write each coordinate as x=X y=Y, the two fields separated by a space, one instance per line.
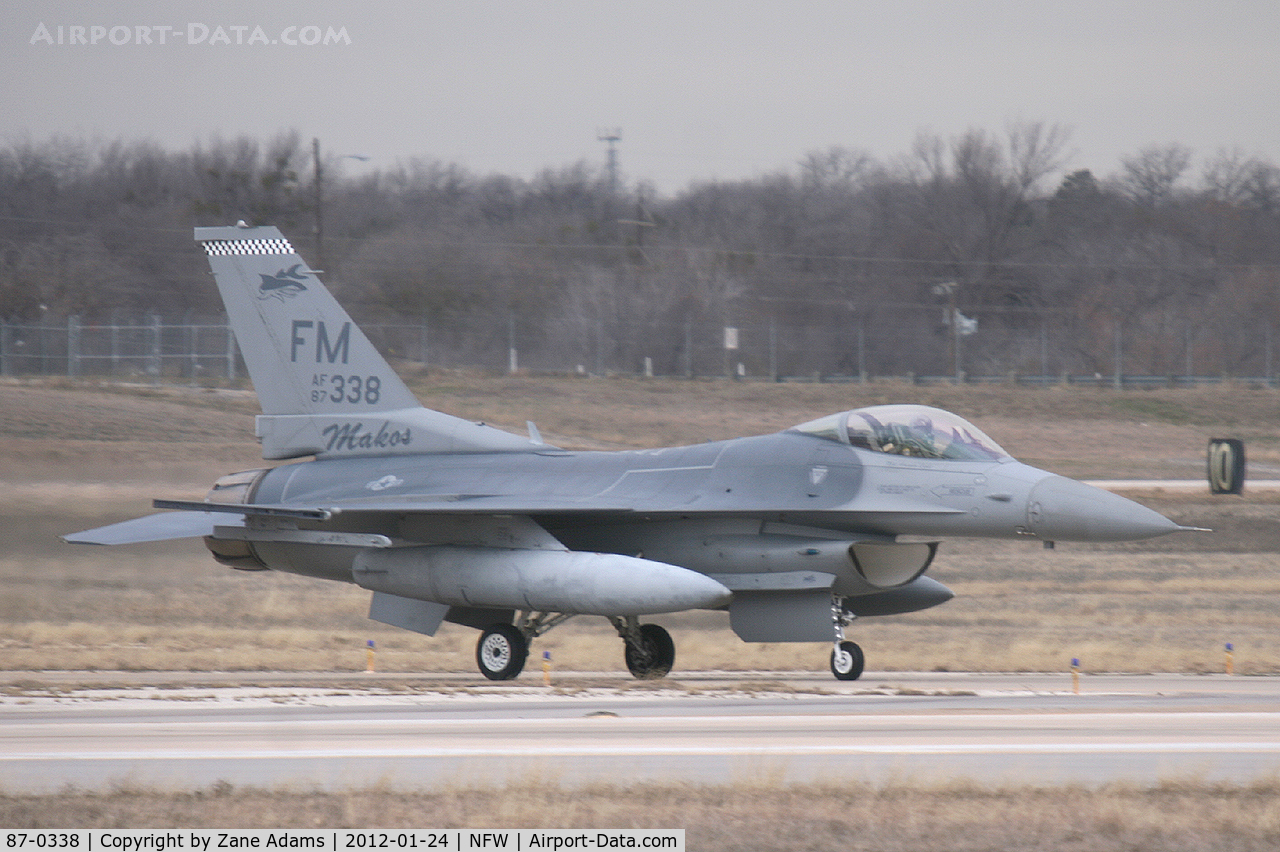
x=340 y=731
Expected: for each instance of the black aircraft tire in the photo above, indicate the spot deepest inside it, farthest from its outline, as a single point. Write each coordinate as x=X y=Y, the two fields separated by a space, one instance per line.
x=660 y=656
x=501 y=652
x=847 y=662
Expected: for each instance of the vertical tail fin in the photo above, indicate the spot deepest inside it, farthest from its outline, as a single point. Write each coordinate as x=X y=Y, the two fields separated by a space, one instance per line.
x=304 y=353
x=323 y=388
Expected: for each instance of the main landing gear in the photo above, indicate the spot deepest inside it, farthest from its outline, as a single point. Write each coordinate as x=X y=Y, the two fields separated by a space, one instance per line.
x=650 y=653
x=846 y=657
x=503 y=648
x=501 y=652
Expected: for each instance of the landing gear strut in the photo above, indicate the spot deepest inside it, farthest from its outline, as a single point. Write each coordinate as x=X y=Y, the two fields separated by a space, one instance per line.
x=650 y=653
x=503 y=648
x=847 y=660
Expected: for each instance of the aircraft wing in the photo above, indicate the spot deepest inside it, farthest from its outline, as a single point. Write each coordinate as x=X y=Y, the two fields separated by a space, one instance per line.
x=444 y=504
x=501 y=504
x=195 y=518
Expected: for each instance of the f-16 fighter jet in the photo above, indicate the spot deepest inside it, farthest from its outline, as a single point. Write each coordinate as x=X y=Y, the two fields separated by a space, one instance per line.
x=795 y=534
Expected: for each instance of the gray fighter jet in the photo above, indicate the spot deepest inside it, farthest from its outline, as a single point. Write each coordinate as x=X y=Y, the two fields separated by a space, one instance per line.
x=795 y=534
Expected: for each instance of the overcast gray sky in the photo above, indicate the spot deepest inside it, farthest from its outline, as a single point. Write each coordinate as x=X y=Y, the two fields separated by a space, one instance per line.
x=701 y=89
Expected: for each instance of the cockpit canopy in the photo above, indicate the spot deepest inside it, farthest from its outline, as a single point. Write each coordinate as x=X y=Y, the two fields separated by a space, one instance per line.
x=907 y=430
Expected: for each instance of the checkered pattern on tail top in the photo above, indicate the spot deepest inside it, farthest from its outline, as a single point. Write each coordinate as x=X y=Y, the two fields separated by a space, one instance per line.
x=267 y=246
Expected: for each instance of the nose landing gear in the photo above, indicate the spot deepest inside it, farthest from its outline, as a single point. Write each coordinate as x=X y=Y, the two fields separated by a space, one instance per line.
x=847 y=660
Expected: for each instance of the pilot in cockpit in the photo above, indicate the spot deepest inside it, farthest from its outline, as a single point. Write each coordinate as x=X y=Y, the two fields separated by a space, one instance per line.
x=929 y=441
x=908 y=430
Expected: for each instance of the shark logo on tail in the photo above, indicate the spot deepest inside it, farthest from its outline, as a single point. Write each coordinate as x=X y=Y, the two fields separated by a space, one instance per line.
x=285 y=284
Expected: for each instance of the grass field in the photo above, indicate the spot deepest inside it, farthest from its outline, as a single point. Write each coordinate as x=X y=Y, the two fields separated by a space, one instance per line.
x=75 y=456
x=1155 y=607
x=1175 y=816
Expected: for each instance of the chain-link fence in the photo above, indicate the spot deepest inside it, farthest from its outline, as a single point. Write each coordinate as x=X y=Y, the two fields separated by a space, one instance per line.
x=148 y=348
x=154 y=349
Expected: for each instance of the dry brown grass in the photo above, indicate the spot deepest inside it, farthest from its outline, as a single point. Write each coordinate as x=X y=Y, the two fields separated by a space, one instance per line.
x=75 y=456
x=955 y=817
x=1093 y=432
x=1153 y=607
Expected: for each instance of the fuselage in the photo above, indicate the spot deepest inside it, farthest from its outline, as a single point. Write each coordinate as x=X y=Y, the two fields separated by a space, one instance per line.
x=789 y=484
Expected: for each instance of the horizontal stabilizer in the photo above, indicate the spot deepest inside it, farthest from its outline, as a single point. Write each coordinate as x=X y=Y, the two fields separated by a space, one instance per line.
x=162 y=527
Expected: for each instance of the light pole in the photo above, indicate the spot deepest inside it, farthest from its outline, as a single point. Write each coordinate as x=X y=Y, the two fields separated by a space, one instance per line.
x=948 y=289
x=319 y=231
x=319 y=185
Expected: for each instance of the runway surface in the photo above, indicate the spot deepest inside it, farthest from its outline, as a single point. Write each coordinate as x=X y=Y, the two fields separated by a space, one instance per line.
x=178 y=730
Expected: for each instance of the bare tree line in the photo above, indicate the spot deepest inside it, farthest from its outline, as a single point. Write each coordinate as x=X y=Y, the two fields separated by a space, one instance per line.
x=983 y=253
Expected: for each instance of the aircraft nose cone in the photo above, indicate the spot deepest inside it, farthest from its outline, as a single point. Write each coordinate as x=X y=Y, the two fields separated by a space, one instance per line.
x=1061 y=509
